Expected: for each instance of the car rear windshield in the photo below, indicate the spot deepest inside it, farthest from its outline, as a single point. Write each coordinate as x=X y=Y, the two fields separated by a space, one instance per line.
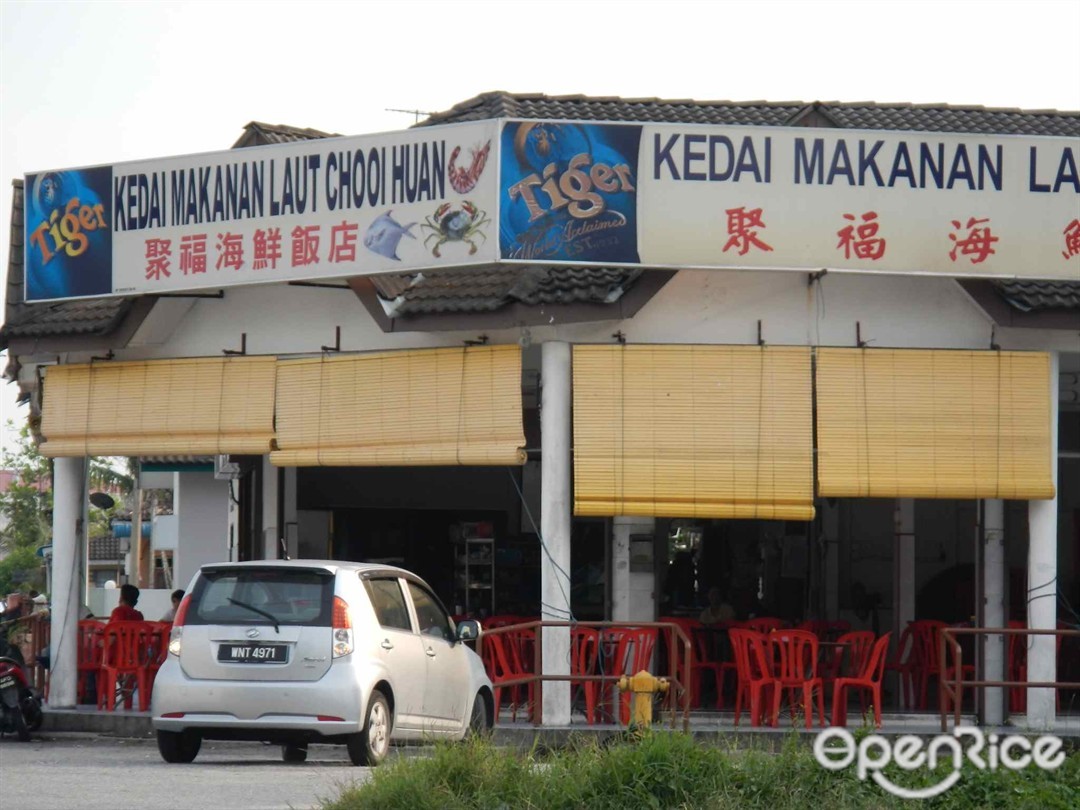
x=263 y=596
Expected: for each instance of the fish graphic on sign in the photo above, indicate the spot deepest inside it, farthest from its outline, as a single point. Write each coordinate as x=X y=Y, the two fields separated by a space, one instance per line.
x=383 y=235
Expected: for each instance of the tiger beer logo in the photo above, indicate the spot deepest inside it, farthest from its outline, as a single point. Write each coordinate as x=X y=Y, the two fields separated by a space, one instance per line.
x=65 y=230
x=577 y=189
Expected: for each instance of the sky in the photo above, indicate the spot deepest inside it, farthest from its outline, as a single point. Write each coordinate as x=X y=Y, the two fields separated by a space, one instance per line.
x=93 y=82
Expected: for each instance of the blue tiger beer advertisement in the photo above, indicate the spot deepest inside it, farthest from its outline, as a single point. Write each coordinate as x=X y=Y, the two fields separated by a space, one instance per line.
x=569 y=192
x=68 y=247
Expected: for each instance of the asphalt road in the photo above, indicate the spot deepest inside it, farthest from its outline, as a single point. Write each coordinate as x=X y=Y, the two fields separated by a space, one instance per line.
x=86 y=772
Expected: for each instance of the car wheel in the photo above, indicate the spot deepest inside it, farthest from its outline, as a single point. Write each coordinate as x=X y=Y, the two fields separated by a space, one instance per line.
x=294 y=753
x=178 y=746
x=371 y=745
x=478 y=722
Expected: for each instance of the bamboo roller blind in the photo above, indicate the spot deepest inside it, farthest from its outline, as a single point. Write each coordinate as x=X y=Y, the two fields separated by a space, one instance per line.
x=459 y=406
x=193 y=406
x=933 y=424
x=693 y=431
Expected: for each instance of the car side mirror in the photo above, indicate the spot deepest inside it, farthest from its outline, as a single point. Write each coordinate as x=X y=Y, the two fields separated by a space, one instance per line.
x=468 y=630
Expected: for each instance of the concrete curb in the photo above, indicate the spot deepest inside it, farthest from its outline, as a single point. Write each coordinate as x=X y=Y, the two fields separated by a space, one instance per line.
x=525 y=738
x=106 y=724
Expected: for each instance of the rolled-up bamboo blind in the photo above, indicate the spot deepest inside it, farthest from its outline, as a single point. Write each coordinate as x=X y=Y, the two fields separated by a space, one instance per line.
x=933 y=423
x=191 y=406
x=459 y=406
x=693 y=431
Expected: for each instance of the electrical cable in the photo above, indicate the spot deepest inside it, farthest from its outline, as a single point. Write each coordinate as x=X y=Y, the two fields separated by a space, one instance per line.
x=553 y=610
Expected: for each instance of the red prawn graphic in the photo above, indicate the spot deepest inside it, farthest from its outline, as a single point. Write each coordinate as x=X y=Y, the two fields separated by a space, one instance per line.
x=464 y=180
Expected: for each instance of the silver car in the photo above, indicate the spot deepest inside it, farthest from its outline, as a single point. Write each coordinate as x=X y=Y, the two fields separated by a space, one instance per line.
x=313 y=651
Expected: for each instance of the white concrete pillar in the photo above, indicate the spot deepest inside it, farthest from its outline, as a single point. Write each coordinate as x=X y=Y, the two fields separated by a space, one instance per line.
x=555 y=511
x=633 y=593
x=201 y=505
x=994 y=608
x=1042 y=581
x=69 y=492
x=270 y=497
x=232 y=488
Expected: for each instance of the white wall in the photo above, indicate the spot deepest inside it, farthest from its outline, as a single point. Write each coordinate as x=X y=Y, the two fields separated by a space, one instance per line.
x=201 y=504
x=696 y=306
x=633 y=593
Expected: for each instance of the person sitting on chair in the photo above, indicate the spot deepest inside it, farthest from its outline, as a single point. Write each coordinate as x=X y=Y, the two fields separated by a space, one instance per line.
x=125 y=611
x=176 y=596
x=718 y=610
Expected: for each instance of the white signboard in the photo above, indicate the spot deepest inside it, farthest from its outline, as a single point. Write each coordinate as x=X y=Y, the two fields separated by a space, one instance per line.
x=560 y=192
x=685 y=196
x=315 y=209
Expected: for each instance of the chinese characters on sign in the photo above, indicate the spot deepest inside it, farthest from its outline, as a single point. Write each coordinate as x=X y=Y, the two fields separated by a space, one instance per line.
x=739 y=225
x=1072 y=239
x=978 y=243
x=860 y=238
x=265 y=250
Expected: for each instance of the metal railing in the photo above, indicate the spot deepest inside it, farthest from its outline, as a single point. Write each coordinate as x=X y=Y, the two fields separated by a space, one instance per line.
x=677 y=689
x=953 y=689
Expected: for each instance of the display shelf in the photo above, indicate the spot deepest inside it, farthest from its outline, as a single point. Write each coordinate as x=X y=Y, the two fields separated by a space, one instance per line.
x=474 y=567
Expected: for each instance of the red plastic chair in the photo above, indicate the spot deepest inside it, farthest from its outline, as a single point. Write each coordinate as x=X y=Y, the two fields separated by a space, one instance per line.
x=709 y=656
x=856 y=651
x=926 y=639
x=868 y=679
x=1016 y=666
x=506 y=664
x=754 y=675
x=859 y=645
x=88 y=655
x=903 y=664
x=819 y=627
x=795 y=655
x=502 y=620
x=634 y=648
x=764 y=625
x=124 y=664
x=584 y=648
x=159 y=648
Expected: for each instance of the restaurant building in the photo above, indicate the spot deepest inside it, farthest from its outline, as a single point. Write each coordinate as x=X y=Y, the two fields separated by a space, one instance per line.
x=588 y=358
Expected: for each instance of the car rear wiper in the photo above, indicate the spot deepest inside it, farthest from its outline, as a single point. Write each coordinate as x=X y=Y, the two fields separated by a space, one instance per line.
x=261 y=612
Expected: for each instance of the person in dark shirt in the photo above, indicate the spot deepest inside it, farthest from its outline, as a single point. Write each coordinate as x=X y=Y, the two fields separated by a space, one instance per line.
x=125 y=611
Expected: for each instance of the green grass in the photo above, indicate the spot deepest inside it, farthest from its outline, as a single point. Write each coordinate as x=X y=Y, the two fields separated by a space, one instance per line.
x=662 y=770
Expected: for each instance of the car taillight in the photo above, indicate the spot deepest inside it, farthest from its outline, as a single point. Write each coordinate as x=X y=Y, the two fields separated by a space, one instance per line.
x=181 y=612
x=342 y=628
x=178 y=625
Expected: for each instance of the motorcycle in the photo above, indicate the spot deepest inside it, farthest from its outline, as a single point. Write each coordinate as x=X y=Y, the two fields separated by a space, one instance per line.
x=20 y=705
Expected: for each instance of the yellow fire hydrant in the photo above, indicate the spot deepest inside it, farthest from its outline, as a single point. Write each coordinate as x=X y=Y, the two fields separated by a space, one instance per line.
x=643 y=686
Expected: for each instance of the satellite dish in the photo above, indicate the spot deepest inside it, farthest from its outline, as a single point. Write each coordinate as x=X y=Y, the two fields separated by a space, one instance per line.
x=102 y=500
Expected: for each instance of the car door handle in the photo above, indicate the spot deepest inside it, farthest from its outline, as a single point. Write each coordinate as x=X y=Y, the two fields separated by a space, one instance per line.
x=386 y=645
x=430 y=652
